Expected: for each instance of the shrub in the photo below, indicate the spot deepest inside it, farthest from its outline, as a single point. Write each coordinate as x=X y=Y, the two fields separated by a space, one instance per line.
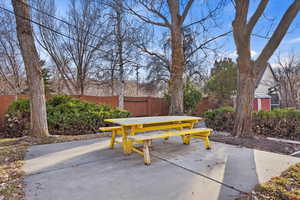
x=17 y=119
x=280 y=123
x=66 y=116
x=220 y=119
x=191 y=97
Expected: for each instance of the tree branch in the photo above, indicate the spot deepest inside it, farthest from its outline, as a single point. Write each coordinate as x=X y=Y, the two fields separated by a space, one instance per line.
x=258 y=13
x=240 y=19
x=156 y=55
x=278 y=34
x=145 y=19
x=206 y=42
x=156 y=12
x=186 y=10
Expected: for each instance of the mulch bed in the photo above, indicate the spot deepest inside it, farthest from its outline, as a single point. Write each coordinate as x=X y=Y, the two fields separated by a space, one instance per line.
x=259 y=143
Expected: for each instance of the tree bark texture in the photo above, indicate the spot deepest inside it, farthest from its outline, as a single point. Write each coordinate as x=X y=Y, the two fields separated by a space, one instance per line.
x=119 y=38
x=250 y=71
x=31 y=60
x=244 y=101
x=178 y=60
x=177 y=70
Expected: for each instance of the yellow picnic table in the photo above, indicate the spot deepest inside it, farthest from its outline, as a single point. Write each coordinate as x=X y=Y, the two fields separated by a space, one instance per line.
x=131 y=126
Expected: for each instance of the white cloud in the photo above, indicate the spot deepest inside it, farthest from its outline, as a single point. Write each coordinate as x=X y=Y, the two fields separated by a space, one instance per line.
x=295 y=40
x=234 y=54
x=253 y=53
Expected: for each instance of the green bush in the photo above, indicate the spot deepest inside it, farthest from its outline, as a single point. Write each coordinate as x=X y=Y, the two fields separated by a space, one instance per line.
x=220 y=119
x=191 y=97
x=19 y=107
x=66 y=116
x=280 y=123
x=17 y=119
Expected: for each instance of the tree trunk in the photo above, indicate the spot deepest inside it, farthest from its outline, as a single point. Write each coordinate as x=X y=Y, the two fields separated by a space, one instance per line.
x=121 y=95
x=81 y=86
x=112 y=79
x=177 y=70
x=244 y=101
x=39 y=125
x=119 y=12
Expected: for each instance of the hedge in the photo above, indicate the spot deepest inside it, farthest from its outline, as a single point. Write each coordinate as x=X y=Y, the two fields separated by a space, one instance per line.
x=220 y=119
x=66 y=116
x=280 y=123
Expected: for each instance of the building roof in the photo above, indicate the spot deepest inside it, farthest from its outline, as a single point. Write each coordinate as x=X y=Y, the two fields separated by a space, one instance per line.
x=272 y=71
x=262 y=96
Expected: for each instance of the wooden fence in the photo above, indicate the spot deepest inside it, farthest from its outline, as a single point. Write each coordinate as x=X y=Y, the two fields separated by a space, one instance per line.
x=137 y=106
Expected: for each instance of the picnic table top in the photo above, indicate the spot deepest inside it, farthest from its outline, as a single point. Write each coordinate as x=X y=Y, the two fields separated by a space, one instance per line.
x=151 y=120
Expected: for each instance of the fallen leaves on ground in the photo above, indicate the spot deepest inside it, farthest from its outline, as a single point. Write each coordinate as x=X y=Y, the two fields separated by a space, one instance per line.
x=283 y=187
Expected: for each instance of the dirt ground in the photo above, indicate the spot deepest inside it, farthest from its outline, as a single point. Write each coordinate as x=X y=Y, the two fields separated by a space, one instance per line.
x=259 y=143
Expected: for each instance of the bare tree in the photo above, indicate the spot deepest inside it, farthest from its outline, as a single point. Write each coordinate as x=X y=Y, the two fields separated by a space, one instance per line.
x=54 y=44
x=11 y=65
x=107 y=71
x=39 y=126
x=122 y=55
x=249 y=71
x=288 y=74
x=119 y=42
x=172 y=14
x=158 y=66
x=87 y=16
x=73 y=43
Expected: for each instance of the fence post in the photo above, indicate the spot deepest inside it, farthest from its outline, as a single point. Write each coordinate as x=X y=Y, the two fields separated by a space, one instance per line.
x=117 y=100
x=149 y=106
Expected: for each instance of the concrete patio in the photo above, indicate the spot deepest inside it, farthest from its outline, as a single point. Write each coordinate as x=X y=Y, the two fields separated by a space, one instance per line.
x=89 y=170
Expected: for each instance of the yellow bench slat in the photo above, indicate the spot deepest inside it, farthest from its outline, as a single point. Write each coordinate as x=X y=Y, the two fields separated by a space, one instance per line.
x=110 y=128
x=204 y=132
x=162 y=127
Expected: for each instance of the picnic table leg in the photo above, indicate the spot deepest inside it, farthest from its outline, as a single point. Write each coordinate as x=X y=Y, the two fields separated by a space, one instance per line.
x=207 y=143
x=112 y=140
x=146 y=151
x=150 y=144
x=186 y=139
x=129 y=146
x=124 y=141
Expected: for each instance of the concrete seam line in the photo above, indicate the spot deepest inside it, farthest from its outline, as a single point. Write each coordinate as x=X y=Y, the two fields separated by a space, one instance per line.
x=200 y=174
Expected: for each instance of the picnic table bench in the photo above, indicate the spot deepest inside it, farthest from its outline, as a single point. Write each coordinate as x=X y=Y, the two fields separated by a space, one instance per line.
x=187 y=134
x=155 y=127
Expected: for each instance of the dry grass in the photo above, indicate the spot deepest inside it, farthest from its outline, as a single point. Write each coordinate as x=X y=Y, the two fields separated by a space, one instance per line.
x=11 y=175
x=283 y=187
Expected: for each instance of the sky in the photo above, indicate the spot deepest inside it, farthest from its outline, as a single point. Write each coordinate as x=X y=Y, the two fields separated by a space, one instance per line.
x=272 y=15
